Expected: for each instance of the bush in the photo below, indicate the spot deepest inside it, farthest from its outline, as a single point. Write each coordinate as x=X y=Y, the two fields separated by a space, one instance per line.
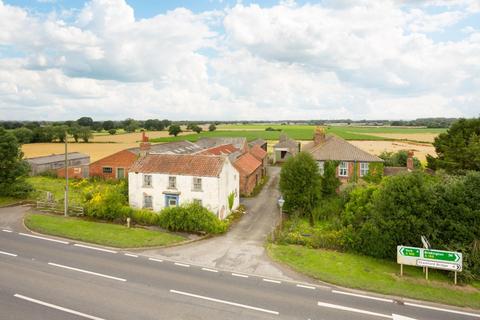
x=112 y=131
x=107 y=203
x=190 y=218
x=144 y=217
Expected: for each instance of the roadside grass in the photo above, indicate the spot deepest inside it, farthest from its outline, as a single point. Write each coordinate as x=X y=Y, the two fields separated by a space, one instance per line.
x=5 y=201
x=108 y=234
x=382 y=276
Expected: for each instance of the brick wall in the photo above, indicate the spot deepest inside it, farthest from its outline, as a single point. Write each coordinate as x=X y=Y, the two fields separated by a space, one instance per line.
x=122 y=159
x=248 y=183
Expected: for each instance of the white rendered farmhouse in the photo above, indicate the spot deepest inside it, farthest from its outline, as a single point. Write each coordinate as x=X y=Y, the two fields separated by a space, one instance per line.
x=156 y=181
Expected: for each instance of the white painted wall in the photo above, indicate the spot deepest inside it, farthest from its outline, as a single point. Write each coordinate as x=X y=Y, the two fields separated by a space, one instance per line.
x=214 y=194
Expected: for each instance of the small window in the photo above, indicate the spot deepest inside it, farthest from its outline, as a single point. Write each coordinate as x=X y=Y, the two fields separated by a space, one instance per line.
x=321 y=167
x=198 y=201
x=107 y=170
x=363 y=169
x=197 y=184
x=147 y=180
x=147 y=201
x=343 y=169
x=172 y=182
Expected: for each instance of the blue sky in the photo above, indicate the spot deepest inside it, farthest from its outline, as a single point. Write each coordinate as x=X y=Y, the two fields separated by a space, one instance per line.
x=359 y=59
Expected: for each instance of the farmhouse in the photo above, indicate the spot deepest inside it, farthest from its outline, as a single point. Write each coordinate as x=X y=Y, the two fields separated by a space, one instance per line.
x=285 y=149
x=353 y=162
x=77 y=163
x=156 y=181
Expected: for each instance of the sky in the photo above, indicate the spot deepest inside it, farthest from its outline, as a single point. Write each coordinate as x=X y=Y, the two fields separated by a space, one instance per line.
x=239 y=60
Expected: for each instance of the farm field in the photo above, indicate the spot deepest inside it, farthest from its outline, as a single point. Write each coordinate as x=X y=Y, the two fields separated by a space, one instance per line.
x=377 y=147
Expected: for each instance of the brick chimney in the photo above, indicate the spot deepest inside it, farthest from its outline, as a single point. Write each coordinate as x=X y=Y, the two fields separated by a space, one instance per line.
x=144 y=145
x=410 y=164
x=319 y=136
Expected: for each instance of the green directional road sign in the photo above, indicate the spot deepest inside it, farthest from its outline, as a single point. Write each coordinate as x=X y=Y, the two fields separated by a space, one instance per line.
x=441 y=255
x=410 y=252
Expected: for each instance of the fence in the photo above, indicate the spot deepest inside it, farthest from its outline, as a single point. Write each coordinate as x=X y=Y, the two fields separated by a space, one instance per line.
x=56 y=207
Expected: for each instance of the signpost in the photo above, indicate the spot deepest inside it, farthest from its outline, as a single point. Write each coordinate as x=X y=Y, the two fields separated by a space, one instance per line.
x=436 y=259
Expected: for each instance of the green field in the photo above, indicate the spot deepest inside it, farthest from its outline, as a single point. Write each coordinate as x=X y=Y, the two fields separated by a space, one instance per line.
x=301 y=132
x=382 y=276
x=113 y=235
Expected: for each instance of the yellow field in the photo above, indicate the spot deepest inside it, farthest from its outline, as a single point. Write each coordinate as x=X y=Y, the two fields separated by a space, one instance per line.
x=424 y=137
x=376 y=147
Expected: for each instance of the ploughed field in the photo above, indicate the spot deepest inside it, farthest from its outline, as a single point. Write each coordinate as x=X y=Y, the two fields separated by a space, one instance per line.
x=371 y=139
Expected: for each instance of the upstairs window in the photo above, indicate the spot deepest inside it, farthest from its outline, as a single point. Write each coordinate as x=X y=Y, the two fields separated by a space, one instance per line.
x=147 y=180
x=343 y=169
x=172 y=182
x=197 y=184
x=363 y=169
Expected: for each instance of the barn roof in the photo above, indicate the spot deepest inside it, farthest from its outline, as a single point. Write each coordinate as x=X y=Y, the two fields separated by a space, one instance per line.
x=247 y=164
x=57 y=158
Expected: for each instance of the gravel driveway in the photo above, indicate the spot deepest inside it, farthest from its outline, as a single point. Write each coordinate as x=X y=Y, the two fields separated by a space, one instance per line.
x=242 y=248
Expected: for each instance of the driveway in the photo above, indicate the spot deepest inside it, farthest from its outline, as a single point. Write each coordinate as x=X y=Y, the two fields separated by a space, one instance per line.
x=11 y=218
x=242 y=248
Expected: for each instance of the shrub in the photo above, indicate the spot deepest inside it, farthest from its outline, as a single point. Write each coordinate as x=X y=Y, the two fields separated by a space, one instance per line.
x=106 y=203
x=112 y=131
x=190 y=217
x=144 y=217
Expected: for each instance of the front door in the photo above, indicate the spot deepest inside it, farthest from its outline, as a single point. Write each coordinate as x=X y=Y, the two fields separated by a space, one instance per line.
x=171 y=200
x=120 y=173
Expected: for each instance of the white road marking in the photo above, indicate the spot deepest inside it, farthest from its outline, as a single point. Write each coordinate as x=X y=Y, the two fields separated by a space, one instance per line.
x=476 y=315
x=338 y=307
x=86 y=271
x=8 y=254
x=94 y=248
x=182 y=265
x=209 y=270
x=224 y=302
x=153 y=259
x=306 y=287
x=6 y=230
x=272 y=281
x=400 y=317
x=46 y=304
x=43 y=238
x=239 y=275
x=131 y=255
x=362 y=296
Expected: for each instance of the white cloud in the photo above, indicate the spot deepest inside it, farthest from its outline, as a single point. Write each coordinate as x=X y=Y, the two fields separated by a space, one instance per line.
x=339 y=59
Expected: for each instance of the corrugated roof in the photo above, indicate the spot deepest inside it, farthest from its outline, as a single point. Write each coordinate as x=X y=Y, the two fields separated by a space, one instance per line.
x=286 y=142
x=180 y=164
x=335 y=148
x=258 y=152
x=238 y=142
x=255 y=142
x=57 y=157
x=247 y=164
x=177 y=147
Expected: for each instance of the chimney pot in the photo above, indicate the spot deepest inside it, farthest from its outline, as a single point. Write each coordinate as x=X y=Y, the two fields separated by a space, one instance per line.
x=319 y=136
x=410 y=164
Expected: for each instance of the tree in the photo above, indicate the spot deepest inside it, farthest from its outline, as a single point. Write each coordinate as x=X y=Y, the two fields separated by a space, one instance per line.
x=97 y=126
x=107 y=125
x=399 y=159
x=174 y=130
x=166 y=123
x=60 y=132
x=13 y=168
x=458 y=149
x=85 y=122
x=197 y=129
x=330 y=181
x=300 y=184
x=212 y=127
x=112 y=131
x=130 y=125
x=43 y=134
x=23 y=135
x=154 y=125
x=75 y=132
x=85 y=134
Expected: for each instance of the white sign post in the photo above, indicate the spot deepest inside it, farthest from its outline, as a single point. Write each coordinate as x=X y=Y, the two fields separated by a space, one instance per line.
x=436 y=259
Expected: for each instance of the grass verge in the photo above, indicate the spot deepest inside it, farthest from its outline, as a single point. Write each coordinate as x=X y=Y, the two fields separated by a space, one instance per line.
x=108 y=234
x=382 y=276
x=6 y=201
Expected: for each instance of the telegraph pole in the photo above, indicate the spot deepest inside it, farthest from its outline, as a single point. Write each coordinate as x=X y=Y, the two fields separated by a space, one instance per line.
x=66 y=175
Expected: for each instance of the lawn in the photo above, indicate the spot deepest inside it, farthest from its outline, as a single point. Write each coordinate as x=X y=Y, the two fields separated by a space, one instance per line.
x=112 y=235
x=57 y=187
x=366 y=273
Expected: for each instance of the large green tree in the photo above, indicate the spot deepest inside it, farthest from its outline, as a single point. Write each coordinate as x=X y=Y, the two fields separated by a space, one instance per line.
x=174 y=130
x=13 y=169
x=300 y=184
x=458 y=149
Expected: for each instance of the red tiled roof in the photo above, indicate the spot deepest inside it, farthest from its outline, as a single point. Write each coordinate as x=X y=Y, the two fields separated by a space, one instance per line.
x=219 y=150
x=180 y=164
x=247 y=164
x=258 y=152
